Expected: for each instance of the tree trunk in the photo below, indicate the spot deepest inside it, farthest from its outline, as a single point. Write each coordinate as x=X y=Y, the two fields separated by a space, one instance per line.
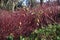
x=41 y=2
x=58 y=1
x=2 y=3
x=31 y=3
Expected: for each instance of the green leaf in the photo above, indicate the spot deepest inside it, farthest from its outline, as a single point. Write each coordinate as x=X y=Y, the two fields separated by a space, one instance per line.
x=58 y=38
x=21 y=38
x=10 y=37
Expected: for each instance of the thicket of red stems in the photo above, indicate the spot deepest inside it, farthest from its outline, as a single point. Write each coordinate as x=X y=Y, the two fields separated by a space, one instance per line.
x=23 y=21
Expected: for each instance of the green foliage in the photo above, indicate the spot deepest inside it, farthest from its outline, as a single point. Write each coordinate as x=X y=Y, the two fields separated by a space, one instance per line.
x=10 y=37
x=51 y=32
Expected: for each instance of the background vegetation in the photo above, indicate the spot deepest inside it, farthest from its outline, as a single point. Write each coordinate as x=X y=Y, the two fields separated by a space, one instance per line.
x=50 y=32
x=39 y=22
